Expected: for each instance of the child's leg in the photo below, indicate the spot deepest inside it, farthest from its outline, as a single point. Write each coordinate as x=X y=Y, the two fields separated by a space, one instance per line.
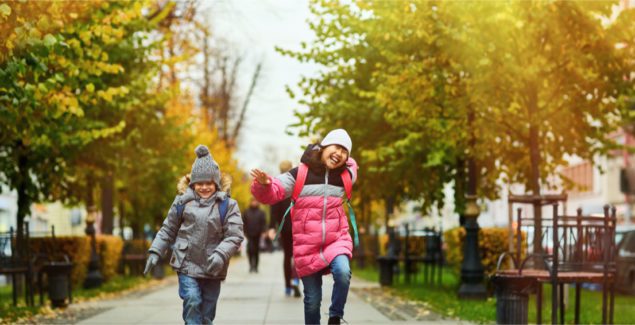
x=210 y=289
x=286 y=264
x=340 y=267
x=312 y=297
x=190 y=292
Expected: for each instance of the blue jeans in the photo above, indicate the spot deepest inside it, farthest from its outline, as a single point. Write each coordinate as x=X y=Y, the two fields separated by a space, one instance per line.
x=341 y=271
x=199 y=299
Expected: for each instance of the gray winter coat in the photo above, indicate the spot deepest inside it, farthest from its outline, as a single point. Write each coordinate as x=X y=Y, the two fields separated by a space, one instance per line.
x=199 y=234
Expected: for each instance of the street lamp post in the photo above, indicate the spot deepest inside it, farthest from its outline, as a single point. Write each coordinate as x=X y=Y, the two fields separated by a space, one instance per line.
x=472 y=272
x=94 y=277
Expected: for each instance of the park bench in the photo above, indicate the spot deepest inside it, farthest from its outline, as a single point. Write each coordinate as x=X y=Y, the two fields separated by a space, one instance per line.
x=15 y=265
x=573 y=250
x=34 y=266
x=424 y=248
x=133 y=257
x=430 y=255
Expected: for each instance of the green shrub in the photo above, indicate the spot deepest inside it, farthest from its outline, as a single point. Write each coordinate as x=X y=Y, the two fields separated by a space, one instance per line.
x=492 y=243
x=109 y=249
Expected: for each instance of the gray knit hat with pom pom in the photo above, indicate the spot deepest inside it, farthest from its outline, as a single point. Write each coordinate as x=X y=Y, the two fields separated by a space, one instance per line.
x=204 y=169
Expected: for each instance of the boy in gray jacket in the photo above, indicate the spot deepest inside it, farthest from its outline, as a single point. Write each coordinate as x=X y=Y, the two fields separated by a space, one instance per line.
x=202 y=244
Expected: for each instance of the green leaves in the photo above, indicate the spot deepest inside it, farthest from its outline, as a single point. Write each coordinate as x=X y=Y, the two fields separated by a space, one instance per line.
x=5 y=10
x=49 y=40
x=542 y=79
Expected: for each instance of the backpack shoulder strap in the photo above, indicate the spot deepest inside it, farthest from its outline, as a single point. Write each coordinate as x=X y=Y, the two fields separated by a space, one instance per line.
x=179 y=210
x=348 y=183
x=303 y=170
x=222 y=210
x=348 y=187
x=180 y=207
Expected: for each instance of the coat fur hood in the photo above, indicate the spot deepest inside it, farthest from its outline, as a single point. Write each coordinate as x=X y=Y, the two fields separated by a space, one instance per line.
x=225 y=184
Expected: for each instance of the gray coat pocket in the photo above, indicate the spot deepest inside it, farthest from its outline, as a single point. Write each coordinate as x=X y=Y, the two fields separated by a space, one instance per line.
x=178 y=256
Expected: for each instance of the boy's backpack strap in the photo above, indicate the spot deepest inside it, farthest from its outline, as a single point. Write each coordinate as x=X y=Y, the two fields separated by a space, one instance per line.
x=179 y=210
x=222 y=210
x=303 y=170
x=180 y=207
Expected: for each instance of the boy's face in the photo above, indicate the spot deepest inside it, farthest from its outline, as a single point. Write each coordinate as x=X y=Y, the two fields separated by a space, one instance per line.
x=334 y=156
x=205 y=189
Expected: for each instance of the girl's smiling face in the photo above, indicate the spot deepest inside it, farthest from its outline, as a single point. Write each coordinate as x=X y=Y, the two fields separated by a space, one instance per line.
x=205 y=189
x=334 y=156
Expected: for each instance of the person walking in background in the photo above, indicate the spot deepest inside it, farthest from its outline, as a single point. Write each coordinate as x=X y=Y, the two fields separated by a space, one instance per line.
x=291 y=281
x=321 y=241
x=255 y=226
x=206 y=229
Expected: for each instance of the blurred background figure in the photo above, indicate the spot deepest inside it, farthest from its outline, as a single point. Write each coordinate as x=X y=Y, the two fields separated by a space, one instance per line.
x=255 y=226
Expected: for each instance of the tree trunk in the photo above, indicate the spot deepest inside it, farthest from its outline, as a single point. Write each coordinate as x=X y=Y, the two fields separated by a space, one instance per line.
x=89 y=199
x=107 y=193
x=122 y=224
x=24 y=202
x=390 y=209
x=534 y=156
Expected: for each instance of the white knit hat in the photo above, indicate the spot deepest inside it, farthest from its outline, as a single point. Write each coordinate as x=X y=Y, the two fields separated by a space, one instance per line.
x=338 y=136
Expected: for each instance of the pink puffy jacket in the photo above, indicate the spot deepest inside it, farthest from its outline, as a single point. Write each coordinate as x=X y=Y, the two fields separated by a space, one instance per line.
x=319 y=223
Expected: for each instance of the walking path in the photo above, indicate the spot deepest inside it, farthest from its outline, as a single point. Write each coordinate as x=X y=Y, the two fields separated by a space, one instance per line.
x=257 y=299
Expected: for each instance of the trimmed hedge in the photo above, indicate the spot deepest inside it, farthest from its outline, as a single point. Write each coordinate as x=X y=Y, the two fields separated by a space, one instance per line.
x=76 y=247
x=492 y=243
x=109 y=248
x=78 y=250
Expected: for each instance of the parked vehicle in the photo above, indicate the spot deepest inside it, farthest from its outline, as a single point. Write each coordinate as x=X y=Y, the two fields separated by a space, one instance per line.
x=625 y=263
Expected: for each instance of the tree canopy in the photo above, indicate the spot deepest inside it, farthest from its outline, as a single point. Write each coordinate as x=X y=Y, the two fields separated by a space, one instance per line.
x=425 y=86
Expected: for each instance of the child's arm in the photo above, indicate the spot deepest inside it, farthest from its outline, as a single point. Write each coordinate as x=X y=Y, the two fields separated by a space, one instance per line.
x=232 y=233
x=270 y=190
x=167 y=234
x=352 y=167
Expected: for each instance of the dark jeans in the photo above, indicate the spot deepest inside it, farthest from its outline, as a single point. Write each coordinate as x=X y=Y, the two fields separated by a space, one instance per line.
x=253 y=251
x=341 y=270
x=199 y=299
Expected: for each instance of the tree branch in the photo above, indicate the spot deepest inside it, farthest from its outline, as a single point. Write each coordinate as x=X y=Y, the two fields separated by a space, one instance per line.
x=241 y=118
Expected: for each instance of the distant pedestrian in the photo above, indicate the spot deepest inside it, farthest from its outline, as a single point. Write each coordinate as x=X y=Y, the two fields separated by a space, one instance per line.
x=291 y=281
x=321 y=242
x=255 y=223
x=205 y=228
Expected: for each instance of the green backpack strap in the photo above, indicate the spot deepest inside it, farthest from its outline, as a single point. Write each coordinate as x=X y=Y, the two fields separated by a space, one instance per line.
x=348 y=187
x=303 y=169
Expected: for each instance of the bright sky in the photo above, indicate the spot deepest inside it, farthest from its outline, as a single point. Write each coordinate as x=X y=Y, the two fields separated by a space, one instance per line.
x=254 y=28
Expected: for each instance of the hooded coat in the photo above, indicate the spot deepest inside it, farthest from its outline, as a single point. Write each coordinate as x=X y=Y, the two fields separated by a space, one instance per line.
x=198 y=233
x=319 y=223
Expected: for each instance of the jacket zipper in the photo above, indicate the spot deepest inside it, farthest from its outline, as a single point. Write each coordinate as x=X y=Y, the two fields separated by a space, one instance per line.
x=326 y=183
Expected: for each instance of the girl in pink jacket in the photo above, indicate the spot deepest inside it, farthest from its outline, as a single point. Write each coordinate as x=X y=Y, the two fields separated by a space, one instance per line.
x=321 y=241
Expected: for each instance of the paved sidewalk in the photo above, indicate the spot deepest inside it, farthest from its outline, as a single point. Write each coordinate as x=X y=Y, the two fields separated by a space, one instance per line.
x=245 y=299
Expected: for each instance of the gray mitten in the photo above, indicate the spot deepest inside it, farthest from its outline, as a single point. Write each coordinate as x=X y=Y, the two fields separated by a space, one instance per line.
x=215 y=264
x=153 y=259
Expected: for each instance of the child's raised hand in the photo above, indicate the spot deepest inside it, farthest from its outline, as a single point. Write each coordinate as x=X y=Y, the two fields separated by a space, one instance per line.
x=260 y=176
